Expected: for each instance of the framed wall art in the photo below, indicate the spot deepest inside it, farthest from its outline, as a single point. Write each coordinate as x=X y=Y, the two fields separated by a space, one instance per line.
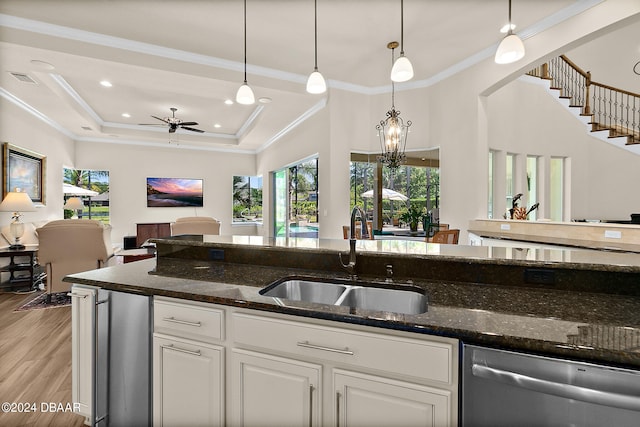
x=23 y=169
x=174 y=192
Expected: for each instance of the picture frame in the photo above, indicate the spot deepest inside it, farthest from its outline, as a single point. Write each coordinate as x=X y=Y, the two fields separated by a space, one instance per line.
x=175 y=192
x=24 y=169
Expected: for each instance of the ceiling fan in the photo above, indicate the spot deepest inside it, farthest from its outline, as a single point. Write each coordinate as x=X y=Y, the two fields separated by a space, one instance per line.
x=175 y=123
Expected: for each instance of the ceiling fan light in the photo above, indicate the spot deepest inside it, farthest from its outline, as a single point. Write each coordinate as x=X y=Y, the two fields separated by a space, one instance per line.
x=245 y=95
x=511 y=49
x=402 y=70
x=316 y=83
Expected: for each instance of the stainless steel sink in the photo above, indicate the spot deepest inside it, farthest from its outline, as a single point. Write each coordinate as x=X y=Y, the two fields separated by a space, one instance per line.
x=305 y=290
x=383 y=299
x=407 y=300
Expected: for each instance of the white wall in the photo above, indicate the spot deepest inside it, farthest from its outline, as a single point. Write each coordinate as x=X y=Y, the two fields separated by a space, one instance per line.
x=20 y=128
x=525 y=119
x=130 y=165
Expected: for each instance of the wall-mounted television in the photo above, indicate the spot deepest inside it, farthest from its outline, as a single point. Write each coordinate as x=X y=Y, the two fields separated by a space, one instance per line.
x=174 y=192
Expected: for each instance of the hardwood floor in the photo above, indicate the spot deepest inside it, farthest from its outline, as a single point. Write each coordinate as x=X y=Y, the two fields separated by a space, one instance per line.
x=35 y=363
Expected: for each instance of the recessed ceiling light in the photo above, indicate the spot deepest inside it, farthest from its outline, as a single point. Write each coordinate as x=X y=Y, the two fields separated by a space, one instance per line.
x=505 y=29
x=217 y=125
x=264 y=100
x=127 y=115
x=106 y=83
x=228 y=102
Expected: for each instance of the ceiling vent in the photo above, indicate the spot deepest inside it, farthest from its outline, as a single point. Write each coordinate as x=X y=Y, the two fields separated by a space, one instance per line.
x=24 y=78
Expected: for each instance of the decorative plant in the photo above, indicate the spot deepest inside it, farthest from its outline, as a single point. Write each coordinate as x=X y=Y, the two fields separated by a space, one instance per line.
x=412 y=216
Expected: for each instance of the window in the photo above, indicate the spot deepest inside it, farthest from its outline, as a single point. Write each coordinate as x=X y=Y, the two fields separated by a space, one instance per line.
x=491 y=185
x=247 y=199
x=532 y=185
x=91 y=188
x=420 y=184
x=556 y=189
x=510 y=174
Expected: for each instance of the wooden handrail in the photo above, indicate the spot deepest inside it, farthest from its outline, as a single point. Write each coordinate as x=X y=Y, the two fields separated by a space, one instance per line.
x=615 y=109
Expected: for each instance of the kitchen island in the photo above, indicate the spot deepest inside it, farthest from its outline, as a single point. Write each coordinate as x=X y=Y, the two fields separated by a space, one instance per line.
x=578 y=305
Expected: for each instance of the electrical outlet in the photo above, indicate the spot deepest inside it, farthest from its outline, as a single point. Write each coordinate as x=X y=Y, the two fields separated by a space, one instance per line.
x=539 y=276
x=216 y=255
x=611 y=234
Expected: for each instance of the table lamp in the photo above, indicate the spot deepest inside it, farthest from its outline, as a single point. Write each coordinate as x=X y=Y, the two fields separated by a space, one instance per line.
x=75 y=204
x=17 y=202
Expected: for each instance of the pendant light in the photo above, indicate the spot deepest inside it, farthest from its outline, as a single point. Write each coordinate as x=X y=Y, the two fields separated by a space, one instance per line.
x=402 y=69
x=393 y=131
x=316 y=83
x=511 y=48
x=245 y=94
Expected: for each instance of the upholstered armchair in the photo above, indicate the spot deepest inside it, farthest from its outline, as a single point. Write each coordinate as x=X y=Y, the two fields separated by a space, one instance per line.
x=195 y=225
x=71 y=246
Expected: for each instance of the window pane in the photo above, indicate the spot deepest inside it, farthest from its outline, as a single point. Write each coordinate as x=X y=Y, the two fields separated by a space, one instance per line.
x=247 y=199
x=556 y=193
x=532 y=184
x=509 y=175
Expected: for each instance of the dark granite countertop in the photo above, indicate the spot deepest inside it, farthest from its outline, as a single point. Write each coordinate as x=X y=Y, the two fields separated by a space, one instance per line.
x=588 y=326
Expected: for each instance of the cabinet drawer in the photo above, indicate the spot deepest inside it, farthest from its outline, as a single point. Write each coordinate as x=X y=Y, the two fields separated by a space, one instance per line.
x=417 y=358
x=185 y=320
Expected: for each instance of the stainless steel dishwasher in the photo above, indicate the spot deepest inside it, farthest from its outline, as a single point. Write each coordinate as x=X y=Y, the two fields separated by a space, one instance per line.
x=503 y=388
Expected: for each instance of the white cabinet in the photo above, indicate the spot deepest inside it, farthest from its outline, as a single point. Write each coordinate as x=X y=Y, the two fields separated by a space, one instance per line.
x=188 y=383
x=188 y=370
x=82 y=343
x=273 y=391
x=367 y=400
x=368 y=376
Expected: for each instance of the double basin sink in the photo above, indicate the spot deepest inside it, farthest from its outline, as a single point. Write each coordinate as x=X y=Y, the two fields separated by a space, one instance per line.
x=362 y=295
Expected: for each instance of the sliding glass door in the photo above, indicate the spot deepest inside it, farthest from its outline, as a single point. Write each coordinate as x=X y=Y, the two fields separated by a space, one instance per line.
x=296 y=200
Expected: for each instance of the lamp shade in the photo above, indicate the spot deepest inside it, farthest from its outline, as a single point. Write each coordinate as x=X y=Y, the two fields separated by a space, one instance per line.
x=511 y=49
x=16 y=201
x=74 y=203
x=245 y=95
x=402 y=69
x=316 y=83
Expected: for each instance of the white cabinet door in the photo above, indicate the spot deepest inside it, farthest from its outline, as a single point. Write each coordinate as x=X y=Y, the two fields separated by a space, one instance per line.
x=82 y=329
x=368 y=401
x=188 y=383
x=274 y=391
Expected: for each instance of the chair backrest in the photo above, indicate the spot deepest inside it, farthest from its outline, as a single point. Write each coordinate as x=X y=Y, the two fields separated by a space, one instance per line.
x=449 y=237
x=71 y=246
x=195 y=225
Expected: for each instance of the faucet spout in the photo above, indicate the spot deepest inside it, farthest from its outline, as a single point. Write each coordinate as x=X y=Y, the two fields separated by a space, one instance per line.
x=351 y=265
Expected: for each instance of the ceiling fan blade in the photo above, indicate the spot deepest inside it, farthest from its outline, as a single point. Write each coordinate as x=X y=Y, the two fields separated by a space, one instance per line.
x=189 y=124
x=162 y=120
x=192 y=129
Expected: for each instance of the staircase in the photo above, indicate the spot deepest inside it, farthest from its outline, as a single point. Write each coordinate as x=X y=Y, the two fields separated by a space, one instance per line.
x=612 y=114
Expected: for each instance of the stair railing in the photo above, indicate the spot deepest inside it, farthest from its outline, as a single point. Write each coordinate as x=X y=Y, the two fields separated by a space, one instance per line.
x=612 y=109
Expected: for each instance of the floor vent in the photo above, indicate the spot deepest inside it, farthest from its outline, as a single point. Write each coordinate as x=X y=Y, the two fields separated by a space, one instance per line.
x=25 y=78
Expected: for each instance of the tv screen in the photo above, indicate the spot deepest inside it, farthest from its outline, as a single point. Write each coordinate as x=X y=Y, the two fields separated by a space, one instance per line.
x=174 y=192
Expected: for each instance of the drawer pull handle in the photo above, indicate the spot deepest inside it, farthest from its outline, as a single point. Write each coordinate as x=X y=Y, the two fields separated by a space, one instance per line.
x=182 y=322
x=74 y=295
x=181 y=350
x=320 y=347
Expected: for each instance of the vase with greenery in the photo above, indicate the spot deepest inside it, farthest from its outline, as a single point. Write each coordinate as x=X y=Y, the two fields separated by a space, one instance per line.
x=412 y=216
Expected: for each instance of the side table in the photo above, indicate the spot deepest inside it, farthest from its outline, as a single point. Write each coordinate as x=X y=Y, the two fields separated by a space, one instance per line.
x=21 y=260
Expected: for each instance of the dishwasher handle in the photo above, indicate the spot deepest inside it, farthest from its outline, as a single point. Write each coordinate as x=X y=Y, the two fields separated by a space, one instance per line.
x=568 y=391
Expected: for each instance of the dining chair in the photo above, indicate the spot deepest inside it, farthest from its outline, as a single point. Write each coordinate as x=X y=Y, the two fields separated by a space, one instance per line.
x=449 y=237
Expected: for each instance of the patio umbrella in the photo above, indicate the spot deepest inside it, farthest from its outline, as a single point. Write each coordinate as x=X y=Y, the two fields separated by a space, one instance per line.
x=387 y=194
x=72 y=190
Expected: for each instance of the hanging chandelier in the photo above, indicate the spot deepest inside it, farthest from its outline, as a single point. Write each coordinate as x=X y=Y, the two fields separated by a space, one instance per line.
x=393 y=131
